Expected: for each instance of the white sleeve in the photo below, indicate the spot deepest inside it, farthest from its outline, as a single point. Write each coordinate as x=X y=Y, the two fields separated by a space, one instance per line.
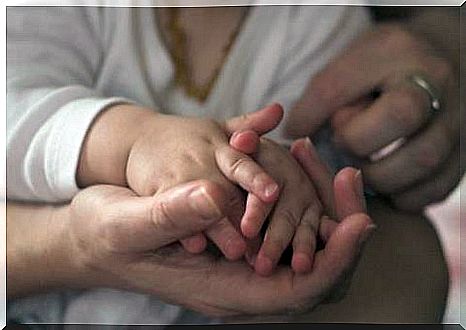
x=53 y=54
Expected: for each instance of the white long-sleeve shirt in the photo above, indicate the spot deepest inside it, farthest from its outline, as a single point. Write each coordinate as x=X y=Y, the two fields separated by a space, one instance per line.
x=65 y=65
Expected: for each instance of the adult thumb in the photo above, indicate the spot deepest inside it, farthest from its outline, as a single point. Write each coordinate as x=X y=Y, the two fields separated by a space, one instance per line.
x=148 y=223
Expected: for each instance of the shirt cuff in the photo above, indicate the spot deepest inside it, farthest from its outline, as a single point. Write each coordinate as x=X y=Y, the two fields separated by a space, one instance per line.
x=67 y=134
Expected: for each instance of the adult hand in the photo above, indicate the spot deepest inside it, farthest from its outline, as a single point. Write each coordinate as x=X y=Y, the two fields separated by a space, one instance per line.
x=155 y=159
x=426 y=167
x=125 y=241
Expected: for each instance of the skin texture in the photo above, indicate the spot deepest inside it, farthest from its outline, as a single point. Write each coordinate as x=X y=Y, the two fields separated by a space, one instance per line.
x=198 y=149
x=426 y=167
x=391 y=292
x=108 y=236
x=293 y=219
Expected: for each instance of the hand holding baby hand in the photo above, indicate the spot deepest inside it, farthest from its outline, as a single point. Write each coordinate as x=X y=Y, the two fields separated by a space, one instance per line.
x=173 y=150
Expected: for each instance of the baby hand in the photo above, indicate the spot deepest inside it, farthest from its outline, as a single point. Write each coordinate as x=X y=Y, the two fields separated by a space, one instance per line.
x=172 y=150
x=294 y=218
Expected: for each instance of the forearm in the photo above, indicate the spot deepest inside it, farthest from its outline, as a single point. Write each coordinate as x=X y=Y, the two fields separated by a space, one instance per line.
x=108 y=142
x=39 y=256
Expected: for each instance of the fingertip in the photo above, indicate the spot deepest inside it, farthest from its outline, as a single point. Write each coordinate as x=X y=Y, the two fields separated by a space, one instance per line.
x=345 y=175
x=301 y=263
x=349 y=192
x=304 y=150
x=245 y=141
x=235 y=249
x=271 y=192
x=195 y=244
x=248 y=229
x=357 y=223
x=275 y=114
x=277 y=108
x=263 y=265
x=298 y=146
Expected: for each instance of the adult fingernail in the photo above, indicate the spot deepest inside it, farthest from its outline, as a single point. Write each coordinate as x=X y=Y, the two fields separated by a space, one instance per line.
x=270 y=190
x=358 y=185
x=203 y=204
x=367 y=233
x=310 y=147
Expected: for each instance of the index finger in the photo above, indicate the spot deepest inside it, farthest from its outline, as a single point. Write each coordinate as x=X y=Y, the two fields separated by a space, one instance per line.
x=243 y=170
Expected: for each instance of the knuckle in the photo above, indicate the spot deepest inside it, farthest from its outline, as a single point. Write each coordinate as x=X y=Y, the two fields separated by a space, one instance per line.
x=237 y=165
x=160 y=217
x=111 y=232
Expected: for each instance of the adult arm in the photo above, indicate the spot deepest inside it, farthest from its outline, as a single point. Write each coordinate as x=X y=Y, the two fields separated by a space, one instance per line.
x=45 y=251
x=38 y=258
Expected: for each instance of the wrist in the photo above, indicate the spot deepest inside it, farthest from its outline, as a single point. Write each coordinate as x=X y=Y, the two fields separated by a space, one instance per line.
x=40 y=256
x=107 y=145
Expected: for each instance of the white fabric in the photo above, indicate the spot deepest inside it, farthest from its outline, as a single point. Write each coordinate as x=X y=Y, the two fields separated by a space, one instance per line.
x=67 y=64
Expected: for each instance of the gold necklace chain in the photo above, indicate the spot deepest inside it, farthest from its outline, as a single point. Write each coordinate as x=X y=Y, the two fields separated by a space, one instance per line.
x=183 y=76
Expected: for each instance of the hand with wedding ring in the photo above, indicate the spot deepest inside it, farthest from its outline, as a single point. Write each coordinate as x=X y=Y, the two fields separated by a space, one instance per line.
x=393 y=101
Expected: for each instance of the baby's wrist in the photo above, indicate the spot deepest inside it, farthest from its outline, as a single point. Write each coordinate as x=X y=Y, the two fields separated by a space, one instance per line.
x=108 y=143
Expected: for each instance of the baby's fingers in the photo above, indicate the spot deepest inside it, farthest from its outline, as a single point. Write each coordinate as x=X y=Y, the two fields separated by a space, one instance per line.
x=304 y=241
x=256 y=210
x=228 y=239
x=244 y=171
x=284 y=221
x=194 y=244
x=254 y=216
